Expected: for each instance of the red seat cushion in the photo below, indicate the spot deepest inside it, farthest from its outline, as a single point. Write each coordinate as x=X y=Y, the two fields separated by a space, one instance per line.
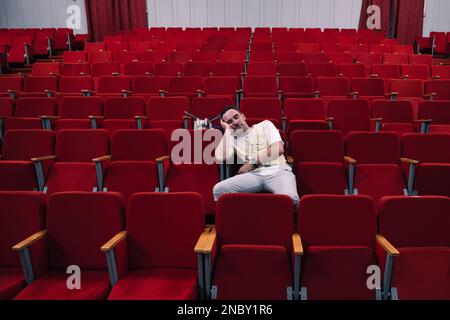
x=53 y=286
x=11 y=282
x=156 y=284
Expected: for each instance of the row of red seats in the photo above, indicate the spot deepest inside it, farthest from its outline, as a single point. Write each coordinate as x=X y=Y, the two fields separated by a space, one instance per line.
x=338 y=239
x=436 y=43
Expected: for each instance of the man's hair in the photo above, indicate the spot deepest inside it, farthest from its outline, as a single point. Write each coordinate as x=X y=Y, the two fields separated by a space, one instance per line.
x=226 y=109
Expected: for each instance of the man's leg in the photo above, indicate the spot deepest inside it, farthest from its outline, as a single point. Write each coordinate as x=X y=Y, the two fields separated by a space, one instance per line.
x=282 y=182
x=241 y=183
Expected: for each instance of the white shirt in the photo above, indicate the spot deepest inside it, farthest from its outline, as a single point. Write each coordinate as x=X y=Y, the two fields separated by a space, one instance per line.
x=249 y=144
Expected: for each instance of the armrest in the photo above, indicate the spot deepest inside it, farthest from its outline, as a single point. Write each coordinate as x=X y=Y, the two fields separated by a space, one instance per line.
x=45 y=158
x=394 y=93
x=424 y=120
x=96 y=117
x=49 y=92
x=354 y=94
x=430 y=95
x=436 y=77
x=387 y=246
x=162 y=159
x=373 y=75
x=115 y=74
x=87 y=92
x=289 y=160
x=128 y=92
x=113 y=242
x=29 y=241
x=316 y=94
x=209 y=242
x=141 y=117
x=201 y=241
x=329 y=118
x=100 y=159
x=284 y=118
x=349 y=160
x=55 y=75
x=405 y=77
x=409 y=161
x=148 y=74
x=49 y=117
x=297 y=244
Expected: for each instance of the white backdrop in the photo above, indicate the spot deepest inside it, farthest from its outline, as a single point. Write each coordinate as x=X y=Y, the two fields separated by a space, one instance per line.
x=436 y=16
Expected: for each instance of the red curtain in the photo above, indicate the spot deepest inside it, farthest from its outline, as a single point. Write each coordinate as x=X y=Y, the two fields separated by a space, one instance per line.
x=409 y=20
x=109 y=17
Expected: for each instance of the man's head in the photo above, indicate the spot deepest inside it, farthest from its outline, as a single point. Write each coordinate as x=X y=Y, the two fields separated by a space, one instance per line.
x=234 y=118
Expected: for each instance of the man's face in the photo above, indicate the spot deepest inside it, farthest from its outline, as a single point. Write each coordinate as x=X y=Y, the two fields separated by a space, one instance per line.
x=235 y=119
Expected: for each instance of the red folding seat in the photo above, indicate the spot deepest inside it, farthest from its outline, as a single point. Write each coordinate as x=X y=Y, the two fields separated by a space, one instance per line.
x=397 y=116
x=420 y=59
x=348 y=40
x=308 y=48
x=99 y=69
x=167 y=113
x=100 y=56
x=318 y=157
x=234 y=69
x=260 y=86
x=108 y=86
x=285 y=46
x=304 y=114
x=259 y=109
x=401 y=49
x=233 y=56
x=261 y=69
x=351 y=70
x=440 y=72
x=428 y=156
x=349 y=115
x=369 y=58
x=222 y=87
x=296 y=87
x=316 y=57
x=74 y=169
x=417 y=71
x=17 y=171
x=438 y=112
x=22 y=215
x=74 y=86
x=287 y=56
x=206 y=56
x=20 y=53
x=10 y=86
x=263 y=251
x=154 y=259
x=87 y=213
x=374 y=164
x=395 y=58
x=154 y=56
x=332 y=48
x=389 y=42
x=76 y=69
x=339 y=58
x=117 y=46
x=332 y=88
x=241 y=45
x=438 y=89
x=29 y=113
x=202 y=69
x=6 y=111
x=321 y=70
x=125 y=56
x=379 y=48
x=168 y=69
x=39 y=86
x=139 y=46
x=133 y=161
x=184 y=86
x=338 y=237
x=439 y=43
x=418 y=254
x=191 y=46
x=387 y=72
x=354 y=49
x=79 y=113
x=42 y=69
x=296 y=69
x=137 y=68
x=180 y=56
x=409 y=89
x=124 y=113
x=210 y=106
x=148 y=86
x=74 y=56
x=94 y=46
x=262 y=56
x=348 y=32
x=261 y=46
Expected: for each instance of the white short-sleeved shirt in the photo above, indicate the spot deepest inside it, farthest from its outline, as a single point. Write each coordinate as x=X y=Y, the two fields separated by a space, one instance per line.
x=259 y=137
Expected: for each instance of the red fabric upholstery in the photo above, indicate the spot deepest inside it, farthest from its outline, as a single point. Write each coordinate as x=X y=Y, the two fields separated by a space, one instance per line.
x=11 y=282
x=138 y=145
x=80 y=107
x=440 y=87
x=137 y=68
x=81 y=145
x=333 y=86
x=294 y=68
x=75 y=84
x=184 y=86
x=368 y=88
x=71 y=176
x=317 y=146
x=321 y=178
x=261 y=108
x=397 y=111
x=40 y=84
x=76 y=69
x=124 y=108
x=438 y=111
x=350 y=115
x=260 y=86
x=35 y=107
x=373 y=148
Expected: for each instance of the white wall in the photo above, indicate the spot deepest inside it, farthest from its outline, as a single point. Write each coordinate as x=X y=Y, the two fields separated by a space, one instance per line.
x=39 y=14
x=436 y=16
x=255 y=13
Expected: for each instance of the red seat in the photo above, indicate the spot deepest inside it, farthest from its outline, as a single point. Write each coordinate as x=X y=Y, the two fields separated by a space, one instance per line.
x=420 y=59
x=351 y=71
x=87 y=213
x=259 y=109
x=184 y=86
x=395 y=58
x=167 y=113
x=79 y=113
x=137 y=68
x=441 y=88
x=443 y=72
x=148 y=86
x=42 y=69
x=121 y=113
x=339 y=58
x=439 y=114
x=22 y=215
x=322 y=70
x=349 y=115
x=420 y=267
x=155 y=260
x=10 y=86
x=417 y=71
x=397 y=116
x=222 y=87
x=100 y=56
x=234 y=69
x=167 y=69
x=209 y=107
x=260 y=86
x=296 y=87
x=304 y=114
x=297 y=69
x=338 y=237
x=113 y=85
x=202 y=69
x=76 y=69
x=39 y=86
x=74 y=56
x=332 y=88
x=261 y=69
x=125 y=56
x=370 y=89
x=99 y=69
x=320 y=57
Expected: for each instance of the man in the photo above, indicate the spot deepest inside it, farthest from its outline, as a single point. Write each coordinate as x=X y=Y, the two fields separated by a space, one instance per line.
x=260 y=151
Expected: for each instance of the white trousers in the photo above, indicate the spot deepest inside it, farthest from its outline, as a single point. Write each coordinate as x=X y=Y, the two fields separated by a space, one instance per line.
x=275 y=179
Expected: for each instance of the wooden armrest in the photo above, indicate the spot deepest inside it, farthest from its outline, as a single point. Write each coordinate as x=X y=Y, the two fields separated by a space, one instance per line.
x=209 y=243
x=148 y=74
x=283 y=118
x=96 y=117
x=45 y=158
x=87 y=91
x=115 y=74
x=29 y=241
x=100 y=159
x=429 y=95
x=55 y=75
x=409 y=161
x=201 y=240
x=49 y=117
x=289 y=159
x=349 y=160
x=329 y=118
x=387 y=246
x=376 y=119
x=297 y=244
x=127 y=91
x=200 y=91
x=405 y=77
x=424 y=120
x=392 y=94
x=374 y=75
x=141 y=117
x=161 y=159
x=436 y=77
x=163 y=91
x=113 y=242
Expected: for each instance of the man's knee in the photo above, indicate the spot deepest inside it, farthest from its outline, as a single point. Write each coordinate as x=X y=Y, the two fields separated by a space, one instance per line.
x=218 y=190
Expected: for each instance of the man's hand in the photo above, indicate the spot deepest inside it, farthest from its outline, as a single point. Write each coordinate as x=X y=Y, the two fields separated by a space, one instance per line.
x=224 y=125
x=246 y=168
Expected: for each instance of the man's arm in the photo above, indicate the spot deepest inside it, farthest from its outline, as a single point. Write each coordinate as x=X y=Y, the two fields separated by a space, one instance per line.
x=273 y=152
x=225 y=150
